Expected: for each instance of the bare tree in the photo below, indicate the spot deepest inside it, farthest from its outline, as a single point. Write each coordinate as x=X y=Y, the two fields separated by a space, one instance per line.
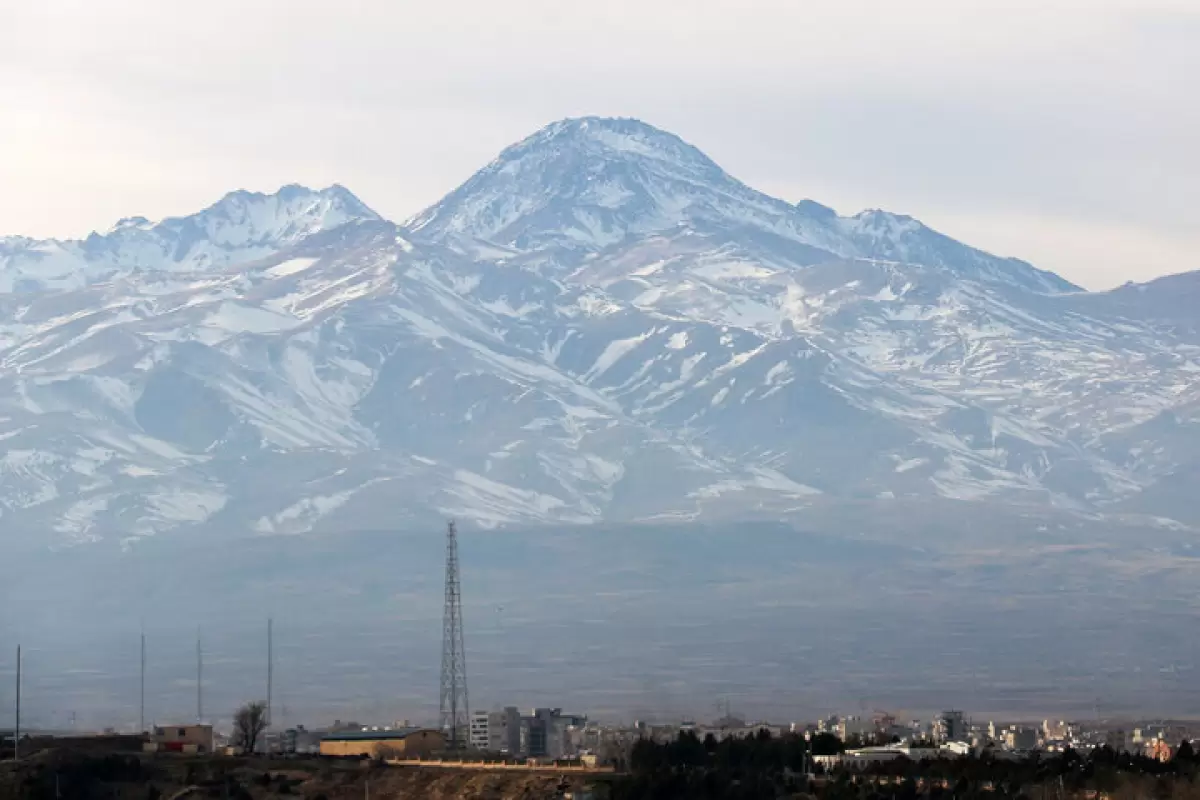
x=249 y=722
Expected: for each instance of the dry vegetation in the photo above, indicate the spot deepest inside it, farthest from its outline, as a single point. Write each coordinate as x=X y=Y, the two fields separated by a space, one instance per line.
x=79 y=776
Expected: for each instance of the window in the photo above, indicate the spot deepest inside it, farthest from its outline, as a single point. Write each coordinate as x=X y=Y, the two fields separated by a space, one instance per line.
x=182 y=732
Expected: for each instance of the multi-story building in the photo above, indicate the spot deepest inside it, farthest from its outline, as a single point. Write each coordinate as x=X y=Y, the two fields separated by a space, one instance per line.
x=1019 y=737
x=301 y=740
x=854 y=726
x=1056 y=729
x=544 y=733
x=1159 y=750
x=950 y=726
x=497 y=731
x=533 y=736
x=479 y=738
x=560 y=742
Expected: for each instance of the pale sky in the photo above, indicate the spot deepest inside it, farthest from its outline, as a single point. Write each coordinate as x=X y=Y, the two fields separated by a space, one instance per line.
x=1065 y=132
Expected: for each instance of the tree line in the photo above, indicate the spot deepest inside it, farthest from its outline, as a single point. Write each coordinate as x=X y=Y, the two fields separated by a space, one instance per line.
x=766 y=766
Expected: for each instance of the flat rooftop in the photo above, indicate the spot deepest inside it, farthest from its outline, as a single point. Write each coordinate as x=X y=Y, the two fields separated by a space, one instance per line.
x=359 y=736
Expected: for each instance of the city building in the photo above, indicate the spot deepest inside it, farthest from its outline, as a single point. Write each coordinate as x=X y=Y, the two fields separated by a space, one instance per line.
x=497 y=731
x=387 y=743
x=854 y=726
x=300 y=740
x=181 y=739
x=1052 y=729
x=1018 y=737
x=956 y=748
x=1118 y=739
x=950 y=726
x=543 y=733
x=480 y=724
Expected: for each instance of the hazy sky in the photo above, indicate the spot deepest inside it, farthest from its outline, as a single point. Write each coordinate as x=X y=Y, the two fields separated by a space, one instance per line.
x=1061 y=131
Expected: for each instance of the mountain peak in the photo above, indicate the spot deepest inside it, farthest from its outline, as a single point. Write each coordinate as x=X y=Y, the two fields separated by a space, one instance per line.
x=814 y=209
x=899 y=237
x=582 y=185
x=126 y=223
x=241 y=226
x=587 y=183
x=293 y=200
x=609 y=137
x=243 y=218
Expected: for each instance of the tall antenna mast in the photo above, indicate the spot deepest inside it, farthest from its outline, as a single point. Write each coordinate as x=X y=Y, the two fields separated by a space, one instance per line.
x=454 y=706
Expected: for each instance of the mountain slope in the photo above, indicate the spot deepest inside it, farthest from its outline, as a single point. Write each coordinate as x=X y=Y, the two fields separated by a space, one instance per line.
x=599 y=325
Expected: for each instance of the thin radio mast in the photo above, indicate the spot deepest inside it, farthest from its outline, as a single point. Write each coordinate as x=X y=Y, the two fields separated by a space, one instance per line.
x=199 y=680
x=142 y=689
x=17 y=730
x=270 y=669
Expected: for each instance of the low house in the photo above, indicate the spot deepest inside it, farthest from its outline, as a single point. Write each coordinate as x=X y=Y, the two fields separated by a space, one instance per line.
x=386 y=743
x=181 y=739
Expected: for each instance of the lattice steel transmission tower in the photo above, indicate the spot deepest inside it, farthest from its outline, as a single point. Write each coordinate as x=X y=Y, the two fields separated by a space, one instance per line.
x=454 y=706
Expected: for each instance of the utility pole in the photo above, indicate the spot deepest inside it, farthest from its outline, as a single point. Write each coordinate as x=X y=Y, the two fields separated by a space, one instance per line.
x=454 y=705
x=199 y=680
x=270 y=667
x=17 y=729
x=270 y=680
x=142 y=689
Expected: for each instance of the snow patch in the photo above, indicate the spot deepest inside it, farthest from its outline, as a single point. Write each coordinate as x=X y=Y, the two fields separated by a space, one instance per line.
x=490 y=503
x=234 y=318
x=303 y=515
x=291 y=267
x=612 y=354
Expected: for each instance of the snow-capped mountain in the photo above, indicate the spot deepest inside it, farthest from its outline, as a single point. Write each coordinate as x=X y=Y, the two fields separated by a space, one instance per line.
x=599 y=325
x=580 y=186
x=242 y=226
